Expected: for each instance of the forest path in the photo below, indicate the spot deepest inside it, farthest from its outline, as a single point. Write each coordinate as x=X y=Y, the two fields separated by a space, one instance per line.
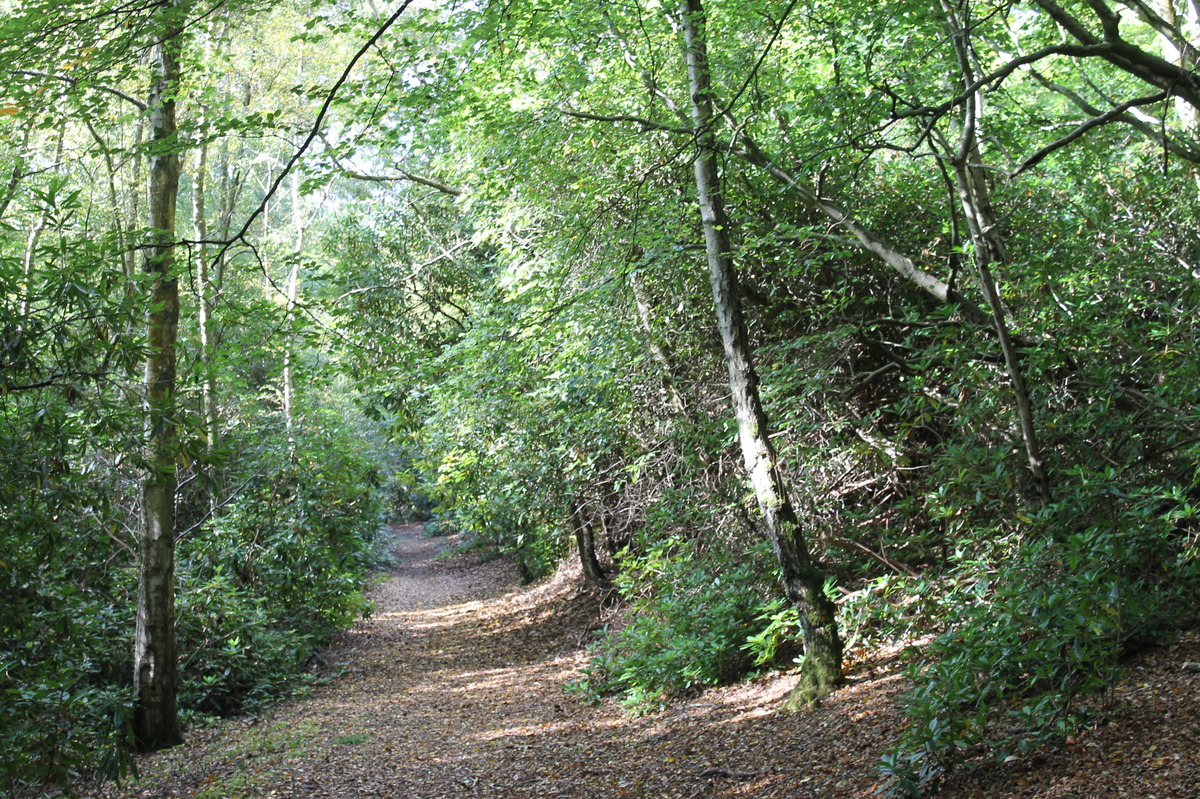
x=453 y=688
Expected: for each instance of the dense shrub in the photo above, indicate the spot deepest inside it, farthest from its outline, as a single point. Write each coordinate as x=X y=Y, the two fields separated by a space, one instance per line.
x=272 y=578
x=1027 y=637
x=64 y=686
x=261 y=585
x=67 y=617
x=695 y=620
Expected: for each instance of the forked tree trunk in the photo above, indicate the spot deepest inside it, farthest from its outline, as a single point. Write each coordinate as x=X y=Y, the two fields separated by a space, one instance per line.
x=585 y=541
x=803 y=578
x=988 y=246
x=155 y=675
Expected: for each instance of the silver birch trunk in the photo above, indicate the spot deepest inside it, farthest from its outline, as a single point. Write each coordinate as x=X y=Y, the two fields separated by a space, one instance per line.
x=155 y=672
x=803 y=578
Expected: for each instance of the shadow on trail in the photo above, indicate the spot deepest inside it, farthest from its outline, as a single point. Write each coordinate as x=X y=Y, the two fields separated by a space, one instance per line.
x=454 y=688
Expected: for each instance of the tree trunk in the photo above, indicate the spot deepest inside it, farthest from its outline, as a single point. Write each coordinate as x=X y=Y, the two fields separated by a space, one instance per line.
x=155 y=676
x=660 y=350
x=204 y=307
x=18 y=171
x=803 y=579
x=988 y=247
x=293 y=296
x=585 y=540
x=34 y=238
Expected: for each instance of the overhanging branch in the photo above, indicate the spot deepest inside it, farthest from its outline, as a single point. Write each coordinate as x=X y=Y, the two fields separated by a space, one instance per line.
x=315 y=130
x=646 y=124
x=73 y=82
x=1112 y=115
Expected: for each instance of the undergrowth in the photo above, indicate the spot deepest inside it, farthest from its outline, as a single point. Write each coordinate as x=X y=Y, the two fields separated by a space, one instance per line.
x=695 y=620
x=1026 y=638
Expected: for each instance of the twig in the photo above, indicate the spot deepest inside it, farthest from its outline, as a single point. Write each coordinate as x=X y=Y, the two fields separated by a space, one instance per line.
x=710 y=773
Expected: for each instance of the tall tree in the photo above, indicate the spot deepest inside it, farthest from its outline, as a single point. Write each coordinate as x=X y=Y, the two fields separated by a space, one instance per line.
x=803 y=579
x=155 y=672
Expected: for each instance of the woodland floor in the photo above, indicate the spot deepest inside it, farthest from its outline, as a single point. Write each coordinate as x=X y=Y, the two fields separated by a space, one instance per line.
x=453 y=688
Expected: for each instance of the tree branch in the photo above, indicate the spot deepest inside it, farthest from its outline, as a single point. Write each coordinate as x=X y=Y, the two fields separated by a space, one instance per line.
x=315 y=130
x=75 y=82
x=1168 y=31
x=1112 y=115
x=401 y=176
x=1154 y=70
x=998 y=75
x=747 y=150
x=863 y=238
x=646 y=124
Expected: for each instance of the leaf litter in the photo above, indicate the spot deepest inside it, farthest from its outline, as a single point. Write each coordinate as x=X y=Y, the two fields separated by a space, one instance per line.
x=454 y=688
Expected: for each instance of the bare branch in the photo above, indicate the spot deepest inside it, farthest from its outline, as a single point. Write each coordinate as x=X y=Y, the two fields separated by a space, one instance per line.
x=746 y=149
x=998 y=75
x=431 y=183
x=646 y=124
x=315 y=130
x=1112 y=115
x=401 y=176
x=416 y=270
x=1147 y=126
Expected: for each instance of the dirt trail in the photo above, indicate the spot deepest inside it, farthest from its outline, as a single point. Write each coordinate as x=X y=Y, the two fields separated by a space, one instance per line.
x=453 y=688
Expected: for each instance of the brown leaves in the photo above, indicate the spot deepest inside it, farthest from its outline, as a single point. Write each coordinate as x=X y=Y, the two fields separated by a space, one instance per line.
x=453 y=689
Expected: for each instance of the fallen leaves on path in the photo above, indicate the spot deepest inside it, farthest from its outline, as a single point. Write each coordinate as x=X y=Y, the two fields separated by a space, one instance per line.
x=454 y=688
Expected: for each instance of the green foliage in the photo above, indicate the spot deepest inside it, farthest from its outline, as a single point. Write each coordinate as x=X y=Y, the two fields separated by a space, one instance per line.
x=533 y=334
x=64 y=664
x=1026 y=638
x=53 y=730
x=780 y=624
x=695 y=620
x=890 y=609
x=273 y=576
x=65 y=622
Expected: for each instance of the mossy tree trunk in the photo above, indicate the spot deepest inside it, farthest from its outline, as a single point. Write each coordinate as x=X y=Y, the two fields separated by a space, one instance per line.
x=155 y=672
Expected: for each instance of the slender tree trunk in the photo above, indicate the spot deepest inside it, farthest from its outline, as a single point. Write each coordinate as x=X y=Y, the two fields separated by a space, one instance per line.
x=231 y=182
x=135 y=191
x=293 y=295
x=35 y=235
x=120 y=222
x=155 y=676
x=660 y=350
x=18 y=172
x=803 y=578
x=989 y=247
x=204 y=294
x=204 y=289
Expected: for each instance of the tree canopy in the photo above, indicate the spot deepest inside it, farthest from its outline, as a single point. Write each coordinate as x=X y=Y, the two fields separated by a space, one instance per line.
x=803 y=326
